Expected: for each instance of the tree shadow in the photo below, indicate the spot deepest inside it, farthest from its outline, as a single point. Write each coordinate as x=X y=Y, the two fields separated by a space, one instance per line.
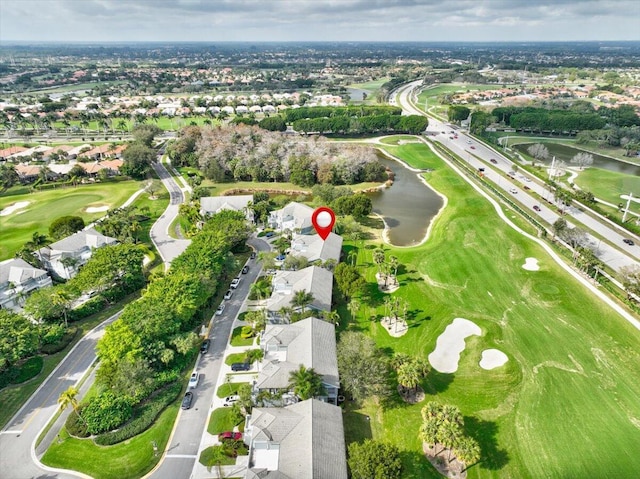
x=416 y=466
x=436 y=382
x=357 y=426
x=486 y=432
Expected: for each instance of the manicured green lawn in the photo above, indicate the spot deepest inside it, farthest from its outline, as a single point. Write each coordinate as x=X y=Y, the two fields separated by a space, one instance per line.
x=227 y=389
x=372 y=85
x=45 y=206
x=416 y=155
x=237 y=340
x=235 y=358
x=609 y=185
x=566 y=402
x=130 y=459
x=221 y=420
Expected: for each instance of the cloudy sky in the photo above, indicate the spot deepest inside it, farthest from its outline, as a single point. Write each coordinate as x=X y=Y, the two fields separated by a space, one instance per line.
x=318 y=20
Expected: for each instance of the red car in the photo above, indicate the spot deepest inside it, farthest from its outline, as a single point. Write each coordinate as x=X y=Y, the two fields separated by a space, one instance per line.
x=230 y=436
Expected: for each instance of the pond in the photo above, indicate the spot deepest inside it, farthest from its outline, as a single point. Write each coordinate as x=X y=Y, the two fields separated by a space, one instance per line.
x=357 y=94
x=408 y=207
x=565 y=153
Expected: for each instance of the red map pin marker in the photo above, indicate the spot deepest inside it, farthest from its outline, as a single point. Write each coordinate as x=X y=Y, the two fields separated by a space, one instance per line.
x=323 y=220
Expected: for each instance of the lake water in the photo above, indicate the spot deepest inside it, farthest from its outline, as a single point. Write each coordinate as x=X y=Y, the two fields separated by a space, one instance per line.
x=408 y=207
x=565 y=153
x=355 y=94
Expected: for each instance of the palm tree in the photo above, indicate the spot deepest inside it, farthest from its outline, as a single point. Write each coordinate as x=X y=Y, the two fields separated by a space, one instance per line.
x=468 y=451
x=332 y=317
x=62 y=298
x=408 y=376
x=393 y=264
x=69 y=398
x=216 y=457
x=379 y=258
x=448 y=435
x=302 y=299
x=354 y=306
x=37 y=242
x=352 y=256
x=69 y=262
x=429 y=432
x=306 y=383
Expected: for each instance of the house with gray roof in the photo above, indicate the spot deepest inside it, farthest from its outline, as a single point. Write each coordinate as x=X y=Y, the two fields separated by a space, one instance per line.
x=210 y=205
x=310 y=342
x=17 y=280
x=74 y=250
x=313 y=279
x=314 y=248
x=294 y=217
x=299 y=441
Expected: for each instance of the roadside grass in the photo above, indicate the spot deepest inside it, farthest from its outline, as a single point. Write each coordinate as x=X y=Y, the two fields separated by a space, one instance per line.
x=45 y=206
x=221 y=420
x=564 y=405
x=13 y=397
x=416 y=155
x=207 y=454
x=237 y=340
x=130 y=459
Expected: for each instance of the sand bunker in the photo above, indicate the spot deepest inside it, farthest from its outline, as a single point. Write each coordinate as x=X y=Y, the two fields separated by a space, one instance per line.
x=450 y=344
x=531 y=264
x=492 y=358
x=96 y=209
x=14 y=207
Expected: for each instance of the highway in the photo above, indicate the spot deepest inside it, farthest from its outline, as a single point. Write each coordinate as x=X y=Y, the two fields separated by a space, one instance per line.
x=610 y=250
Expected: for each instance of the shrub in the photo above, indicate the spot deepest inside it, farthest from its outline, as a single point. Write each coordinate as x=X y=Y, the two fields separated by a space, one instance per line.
x=76 y=426
x=29 y=369
x=106 y=412
x=52 y=333
x=63 y=343
x=93 y=306
x=143 y=416
x=8 y=376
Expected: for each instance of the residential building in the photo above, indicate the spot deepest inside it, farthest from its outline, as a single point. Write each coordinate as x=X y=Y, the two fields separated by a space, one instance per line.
x=210 y=205
x=295 y=217
x=79 y=246
x=313 y=279
x=300 y=441
x=310 y=342
x=314 y=248
x=17 y=279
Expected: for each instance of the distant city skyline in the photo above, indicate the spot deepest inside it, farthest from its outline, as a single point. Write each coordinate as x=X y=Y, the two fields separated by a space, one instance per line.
x=321 y=20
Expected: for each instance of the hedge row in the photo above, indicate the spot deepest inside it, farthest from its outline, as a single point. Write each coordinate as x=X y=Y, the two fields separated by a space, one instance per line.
x=143 y=416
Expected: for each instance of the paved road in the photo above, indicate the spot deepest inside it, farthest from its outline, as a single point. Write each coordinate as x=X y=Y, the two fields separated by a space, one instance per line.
x=181 y=453
x=168 y=247
x=612 y=251
x=17 y=439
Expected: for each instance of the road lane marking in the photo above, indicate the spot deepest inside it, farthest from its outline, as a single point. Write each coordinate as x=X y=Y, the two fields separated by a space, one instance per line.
x=10 y=432
x=180 y=456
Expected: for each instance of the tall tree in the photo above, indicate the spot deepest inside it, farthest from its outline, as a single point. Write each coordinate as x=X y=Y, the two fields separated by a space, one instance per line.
x=306 y=383
x=374 y=460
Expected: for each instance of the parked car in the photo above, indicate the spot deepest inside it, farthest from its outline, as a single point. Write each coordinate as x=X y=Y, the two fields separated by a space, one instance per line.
x=228 y=294
x=536 y=207
x=494 y=161
x=230 y=400
x=220 y=309
x=194 y=380
x=204 y=347
x=240 y=366
x=235 y=282
x=628 y=241
x=187 y=399
x=269 y=234
x=230 y=436
x=245 y=270
x=280 y=257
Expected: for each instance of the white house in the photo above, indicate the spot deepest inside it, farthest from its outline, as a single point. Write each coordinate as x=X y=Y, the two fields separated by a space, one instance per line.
x=310 y=342
x=313 y=279
x=314 y=248
x=300 y=441
x=210 y=205
x=78 y=246
x=17 y=279
x=294 y=217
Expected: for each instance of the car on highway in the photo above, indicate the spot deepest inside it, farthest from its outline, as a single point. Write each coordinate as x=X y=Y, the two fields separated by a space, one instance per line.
x=628 y=241
x=231 y=400
x=204 y=347
x=494 y=161
x=230 y=436
x=220 y=309
x=194 y=380
x=228 y=294
x=526 y=187
x=240 y=366
x=472 y=147
x=245 y=270
x=513 y=191
x=235 y=282
x=536 y=207
x=481 y=169
x=187 y=400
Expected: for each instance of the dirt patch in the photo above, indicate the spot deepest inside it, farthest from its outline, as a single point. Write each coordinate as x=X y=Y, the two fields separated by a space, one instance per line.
x=391 y=283
x=453 y=469
x=411 y=396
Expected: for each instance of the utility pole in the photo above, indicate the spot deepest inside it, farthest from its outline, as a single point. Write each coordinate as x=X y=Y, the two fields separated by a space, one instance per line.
x=553 y=161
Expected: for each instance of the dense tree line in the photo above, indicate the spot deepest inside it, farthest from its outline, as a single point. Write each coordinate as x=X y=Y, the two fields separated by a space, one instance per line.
x=541 y=119
x=153 y=340
x=293 y=114
x=244 y=153
x=412 y=124
x=139 y=155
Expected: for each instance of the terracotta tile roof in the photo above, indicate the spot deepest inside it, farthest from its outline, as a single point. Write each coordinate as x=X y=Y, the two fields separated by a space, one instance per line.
x=12 y=150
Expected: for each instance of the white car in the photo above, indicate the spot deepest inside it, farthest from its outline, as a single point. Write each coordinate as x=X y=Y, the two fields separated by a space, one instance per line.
x=228 y=294
x=220 y=309
x=513 y=191
x=194 y=380
x=235 y=282
x=230 y=400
